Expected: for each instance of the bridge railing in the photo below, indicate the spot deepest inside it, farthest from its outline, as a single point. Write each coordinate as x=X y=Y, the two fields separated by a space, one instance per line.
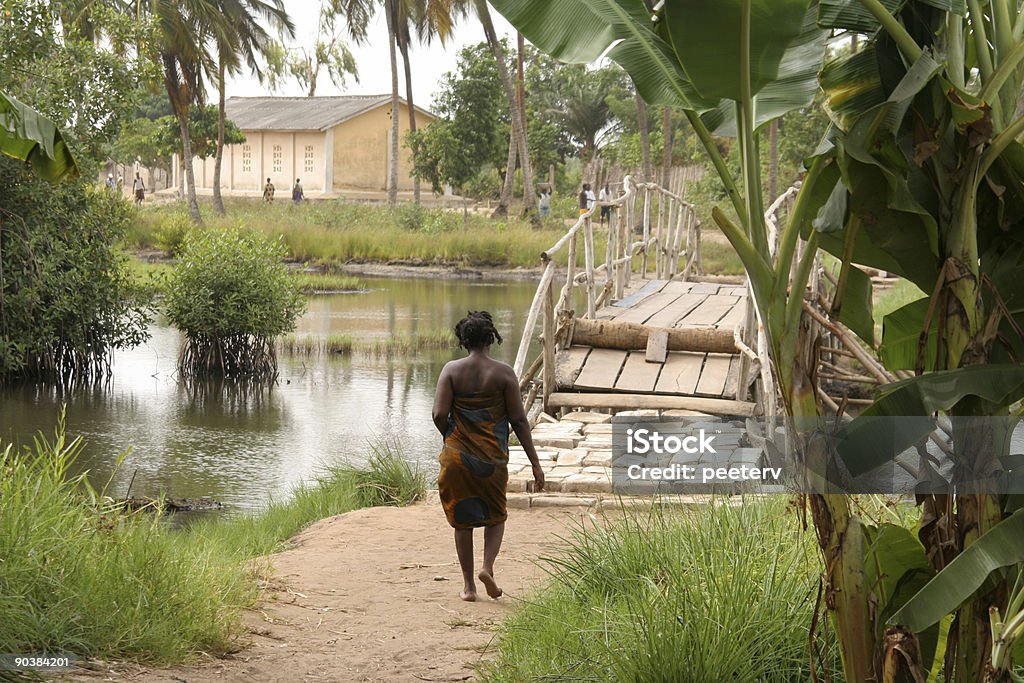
x=632 y=235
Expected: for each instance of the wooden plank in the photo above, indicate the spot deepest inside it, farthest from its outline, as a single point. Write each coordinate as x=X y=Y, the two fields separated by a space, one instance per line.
x=706 y=288
x=712 y=406
x=652 y=287
x=637 y=374
x=680 y=373
x=733 y=380
x=733 y=318
x=601 y=369
x=710 y=311
x=657 y=347
x=676 y=311
x=649 y=307
x=568 y=365
x=714 y=374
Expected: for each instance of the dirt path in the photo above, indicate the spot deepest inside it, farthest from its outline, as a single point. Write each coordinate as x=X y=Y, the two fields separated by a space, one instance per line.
x=360 y=598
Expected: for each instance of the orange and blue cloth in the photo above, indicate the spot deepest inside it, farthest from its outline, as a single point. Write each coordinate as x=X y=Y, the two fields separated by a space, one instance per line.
x=474 y=461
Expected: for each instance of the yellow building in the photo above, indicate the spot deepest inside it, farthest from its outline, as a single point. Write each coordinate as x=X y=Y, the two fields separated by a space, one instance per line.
x=332 y=144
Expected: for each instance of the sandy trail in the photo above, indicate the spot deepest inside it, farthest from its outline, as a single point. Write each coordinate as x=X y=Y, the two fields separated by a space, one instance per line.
x=359 y=599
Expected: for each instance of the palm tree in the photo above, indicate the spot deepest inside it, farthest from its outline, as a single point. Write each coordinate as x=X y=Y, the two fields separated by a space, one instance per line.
x=241 y=37
x=518 y=134
x=182 y=28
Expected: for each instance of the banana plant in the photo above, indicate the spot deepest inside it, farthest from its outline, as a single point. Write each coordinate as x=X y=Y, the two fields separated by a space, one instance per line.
x=929 y=185
x=732 y=66
x=27 y=135
x=921 y=176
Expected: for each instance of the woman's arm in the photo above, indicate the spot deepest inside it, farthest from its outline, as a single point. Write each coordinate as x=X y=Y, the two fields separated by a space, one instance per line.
x=443 y=400
x=521 y=425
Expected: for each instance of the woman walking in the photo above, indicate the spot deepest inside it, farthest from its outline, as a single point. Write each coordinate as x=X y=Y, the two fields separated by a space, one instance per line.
x=477 y=399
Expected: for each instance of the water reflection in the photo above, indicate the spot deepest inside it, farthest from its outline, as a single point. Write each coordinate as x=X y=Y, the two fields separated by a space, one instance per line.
x=200 y=439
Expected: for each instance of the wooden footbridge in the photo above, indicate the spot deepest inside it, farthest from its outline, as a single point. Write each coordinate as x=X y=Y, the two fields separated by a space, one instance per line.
x=667 y=339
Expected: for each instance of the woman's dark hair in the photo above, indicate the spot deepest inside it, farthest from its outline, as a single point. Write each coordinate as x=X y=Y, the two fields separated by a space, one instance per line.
x=476 y=331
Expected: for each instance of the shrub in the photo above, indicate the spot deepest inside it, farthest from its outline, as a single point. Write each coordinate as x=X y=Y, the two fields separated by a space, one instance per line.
x=67 y=298
x=231 y=295
x=170 y=233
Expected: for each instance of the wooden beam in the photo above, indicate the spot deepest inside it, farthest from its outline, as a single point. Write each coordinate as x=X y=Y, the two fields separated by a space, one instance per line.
x=714 y=406
x=611 y=334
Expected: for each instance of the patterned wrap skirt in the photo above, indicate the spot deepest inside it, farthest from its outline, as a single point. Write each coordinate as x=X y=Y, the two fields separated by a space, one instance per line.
x=474 y=461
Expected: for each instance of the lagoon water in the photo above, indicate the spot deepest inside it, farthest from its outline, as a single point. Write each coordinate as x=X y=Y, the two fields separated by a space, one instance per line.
x=243 y=447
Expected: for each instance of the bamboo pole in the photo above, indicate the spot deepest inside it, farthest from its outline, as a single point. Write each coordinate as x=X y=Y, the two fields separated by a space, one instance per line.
x=531 y=372
x=531 y=317
x=588 y=255
x=647 y=232
x=609 y=252
x=549 y=346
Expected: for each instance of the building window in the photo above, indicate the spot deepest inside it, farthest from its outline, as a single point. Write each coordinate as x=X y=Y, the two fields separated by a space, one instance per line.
x=309 y=159
x=246 y=159
x=277 y=158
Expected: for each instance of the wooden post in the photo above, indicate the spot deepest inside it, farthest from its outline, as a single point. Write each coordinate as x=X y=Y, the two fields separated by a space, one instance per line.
x=659 y=233
x=570 y=276
x=531 y=318
x=549 y=346
x=609 y=252
x=588 y=251
x=647 y=232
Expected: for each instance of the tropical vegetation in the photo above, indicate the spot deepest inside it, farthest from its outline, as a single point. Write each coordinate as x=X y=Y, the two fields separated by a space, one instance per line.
x=84 y=575
x=231 y=295
x=918 y=176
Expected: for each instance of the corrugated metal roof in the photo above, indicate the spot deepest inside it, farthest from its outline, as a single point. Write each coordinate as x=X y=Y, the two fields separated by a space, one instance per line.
x=299 y=113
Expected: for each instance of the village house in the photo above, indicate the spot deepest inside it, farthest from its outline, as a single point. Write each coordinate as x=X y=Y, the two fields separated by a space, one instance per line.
x=334 y=144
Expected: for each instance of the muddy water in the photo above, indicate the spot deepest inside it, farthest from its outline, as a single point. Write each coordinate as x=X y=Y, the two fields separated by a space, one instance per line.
x=240 y=447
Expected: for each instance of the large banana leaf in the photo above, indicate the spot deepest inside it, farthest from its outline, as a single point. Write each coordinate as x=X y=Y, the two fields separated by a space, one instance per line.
x=580 y=31
x=901 y=337
x=27 y=135
x=795 y=85
x=853 y=16
x=874 y=438
x=1003 y=545
x=707 y=37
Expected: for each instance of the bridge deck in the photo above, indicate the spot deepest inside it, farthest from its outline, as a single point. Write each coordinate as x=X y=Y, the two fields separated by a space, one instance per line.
x=661 y=303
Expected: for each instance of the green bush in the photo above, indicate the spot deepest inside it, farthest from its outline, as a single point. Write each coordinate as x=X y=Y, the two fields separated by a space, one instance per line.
x=723 y=592
x=231 y=294
x=67 y=298
x=171 y=232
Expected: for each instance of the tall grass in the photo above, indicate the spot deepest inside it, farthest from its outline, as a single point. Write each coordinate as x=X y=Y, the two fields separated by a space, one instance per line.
x=388 y=347
x=336 y=231
x=81 y=577
x=720 y=593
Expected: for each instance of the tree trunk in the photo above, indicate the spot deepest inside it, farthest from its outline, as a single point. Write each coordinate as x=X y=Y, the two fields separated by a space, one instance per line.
x=645 y=138
x=190 y=178
x=505 y=200
x=181 y=100
x=666 y=159
x=393 y=175
x=412 y=113
x=518 y=127
x=218 y=201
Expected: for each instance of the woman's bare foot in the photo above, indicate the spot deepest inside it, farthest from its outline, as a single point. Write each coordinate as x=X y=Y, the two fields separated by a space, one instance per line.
x=469 y=595
x=487 y=579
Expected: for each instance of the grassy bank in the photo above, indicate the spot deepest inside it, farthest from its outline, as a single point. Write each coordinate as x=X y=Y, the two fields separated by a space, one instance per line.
x=719 y=593
x=79 y=576
x=339 y=232
x=396 y=345
x=310 y=282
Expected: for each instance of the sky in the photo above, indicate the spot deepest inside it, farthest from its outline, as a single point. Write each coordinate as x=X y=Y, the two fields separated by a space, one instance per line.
x=429 y=63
